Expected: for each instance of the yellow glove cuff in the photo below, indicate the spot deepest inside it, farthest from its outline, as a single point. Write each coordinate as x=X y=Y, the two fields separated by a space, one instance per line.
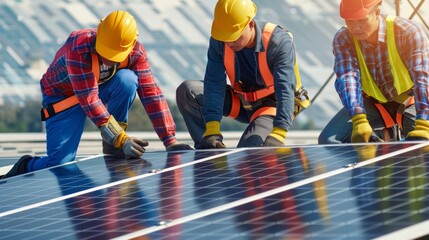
x=361 y=129
x=111 y=130
x=212 y=128
x=359 y=119
x=121 y=139
x=422 y=125
x=421 y=130
x=278 y=133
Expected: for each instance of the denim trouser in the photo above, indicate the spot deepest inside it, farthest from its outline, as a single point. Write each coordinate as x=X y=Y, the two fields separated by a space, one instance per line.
x=189 y=98
x=339 y=129
x=64 y=130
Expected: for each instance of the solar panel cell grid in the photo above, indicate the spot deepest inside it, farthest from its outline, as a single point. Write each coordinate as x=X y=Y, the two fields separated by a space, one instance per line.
x=311 y=192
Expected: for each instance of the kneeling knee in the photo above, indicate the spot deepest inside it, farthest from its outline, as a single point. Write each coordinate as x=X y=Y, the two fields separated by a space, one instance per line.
x=127 y=78
x=185 y=89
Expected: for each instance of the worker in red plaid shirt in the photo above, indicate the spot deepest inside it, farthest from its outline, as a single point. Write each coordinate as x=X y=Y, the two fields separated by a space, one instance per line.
x=96 y=74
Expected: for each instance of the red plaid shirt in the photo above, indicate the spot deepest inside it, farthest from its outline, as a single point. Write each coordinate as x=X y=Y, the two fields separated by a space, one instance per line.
x=70 y=73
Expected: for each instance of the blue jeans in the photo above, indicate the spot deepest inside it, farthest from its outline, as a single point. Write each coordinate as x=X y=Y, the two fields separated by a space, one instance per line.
x=64 y=130
x=339 y=129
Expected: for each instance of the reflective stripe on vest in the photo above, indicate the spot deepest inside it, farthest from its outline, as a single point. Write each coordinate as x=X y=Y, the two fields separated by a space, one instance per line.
x=267 y=76
x=401 y=78
x=96 y=66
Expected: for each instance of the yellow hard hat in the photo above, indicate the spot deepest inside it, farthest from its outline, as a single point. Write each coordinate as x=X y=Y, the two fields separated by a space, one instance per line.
x=231 y=18
x=116 y=36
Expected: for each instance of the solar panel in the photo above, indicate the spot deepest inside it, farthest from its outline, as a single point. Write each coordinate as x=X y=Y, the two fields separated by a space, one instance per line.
x=311 y=192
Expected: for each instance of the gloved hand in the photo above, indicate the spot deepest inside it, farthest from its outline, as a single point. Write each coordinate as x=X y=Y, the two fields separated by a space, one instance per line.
x=131 y=146
x=212 y=138
x=362 y=131
x=110 y=150
x=420 y=132
x=113 y=134
x=177 y=146
x=276 y=138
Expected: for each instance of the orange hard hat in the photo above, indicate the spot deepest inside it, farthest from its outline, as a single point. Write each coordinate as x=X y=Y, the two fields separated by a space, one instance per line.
x=116 y=36
x=356 y=9
x=231 y=18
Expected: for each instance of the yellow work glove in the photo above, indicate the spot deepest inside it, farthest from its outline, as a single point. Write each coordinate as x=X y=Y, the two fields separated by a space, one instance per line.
x=212 y=138
x=132 y=147
x=362 y=131
x=276 y=138
x=113 y=134
x=110 y=150
x=420 y=132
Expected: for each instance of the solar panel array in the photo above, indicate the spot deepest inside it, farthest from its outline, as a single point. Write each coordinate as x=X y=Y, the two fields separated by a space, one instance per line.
x=302 y=192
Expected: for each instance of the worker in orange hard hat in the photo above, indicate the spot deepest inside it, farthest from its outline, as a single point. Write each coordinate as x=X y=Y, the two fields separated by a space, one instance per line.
x=382 y=69
x=265 y=89
x=358 y=9
x=97 y=74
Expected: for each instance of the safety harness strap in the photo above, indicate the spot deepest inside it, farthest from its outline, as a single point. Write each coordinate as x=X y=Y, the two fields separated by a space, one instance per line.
x=263 y=111
x=262 y=57
x=229 y=62
x=57 y=107
x=235 y=105
x=387 y=119
x=256 y=95
x=401 y=110
x=96 y=66
x=389 y=122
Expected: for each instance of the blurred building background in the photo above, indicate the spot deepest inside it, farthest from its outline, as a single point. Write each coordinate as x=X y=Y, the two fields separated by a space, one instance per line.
x=175 y=33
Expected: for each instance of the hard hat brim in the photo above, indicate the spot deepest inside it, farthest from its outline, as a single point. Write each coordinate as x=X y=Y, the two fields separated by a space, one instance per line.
x=225 y=36
x=112 y=55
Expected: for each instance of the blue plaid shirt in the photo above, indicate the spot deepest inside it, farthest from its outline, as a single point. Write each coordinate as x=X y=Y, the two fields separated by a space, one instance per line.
x=412 y=46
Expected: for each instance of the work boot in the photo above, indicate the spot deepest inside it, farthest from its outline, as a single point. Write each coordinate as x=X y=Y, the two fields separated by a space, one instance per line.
x=111 y=150
x=20 y=167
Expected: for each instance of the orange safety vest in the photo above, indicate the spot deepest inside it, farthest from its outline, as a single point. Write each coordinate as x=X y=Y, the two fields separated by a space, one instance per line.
x=267 y=76
x=52 y=109
x=229 y=62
